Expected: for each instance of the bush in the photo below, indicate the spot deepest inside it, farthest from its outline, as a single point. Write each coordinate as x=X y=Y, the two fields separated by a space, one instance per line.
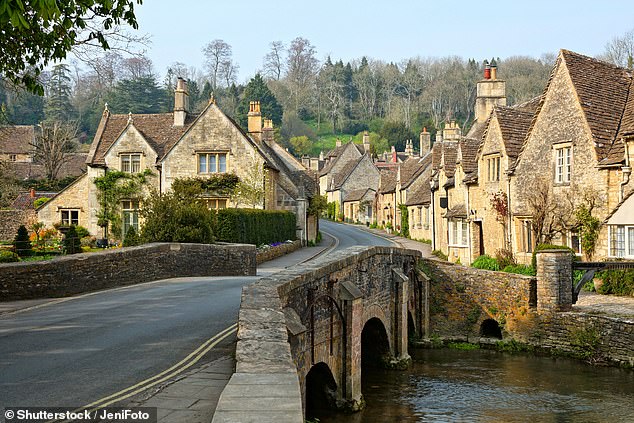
x=81 y=232
x=8 y=257
x=22 y=243
x=505 y=258
x=617 y=282
x=520 y=269
x=486 y=262
x=255 y=226
x=72 y=242
x=131 y=238
x=39 y=201
x=541 y=247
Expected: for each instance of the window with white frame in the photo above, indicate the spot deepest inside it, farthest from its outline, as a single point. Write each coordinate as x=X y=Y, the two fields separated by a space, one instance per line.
x=212 y=162
x=563 y=164
x=494 y=168
x=131 y=162
x=130 y=215
x=69 y=216
x=621 y=240
x=458 y=233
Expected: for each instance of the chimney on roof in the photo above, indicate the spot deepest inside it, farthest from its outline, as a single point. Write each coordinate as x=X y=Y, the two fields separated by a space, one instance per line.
x=394 y=156
x=491 y=92
x=181 y=102
x=32 y=193
x=321 y=156
x=268 y=134
x=409 y=147
x=366 y=141
x=425 y=142
x=254 y=121
x=338 y=143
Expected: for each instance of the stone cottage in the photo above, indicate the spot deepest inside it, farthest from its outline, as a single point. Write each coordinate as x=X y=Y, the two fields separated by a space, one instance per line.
x=180 y=145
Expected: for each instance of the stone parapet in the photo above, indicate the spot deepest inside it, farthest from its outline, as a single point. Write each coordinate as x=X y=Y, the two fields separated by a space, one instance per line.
x=78 y=273
x=554 y=281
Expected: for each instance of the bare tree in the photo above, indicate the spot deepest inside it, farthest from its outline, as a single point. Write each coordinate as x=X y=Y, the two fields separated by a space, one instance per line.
x=620 y=51
x=274 y=62
x=301 y=67
x=137 y=67
x=216 y=52
x=228 y=72
x=53 y=144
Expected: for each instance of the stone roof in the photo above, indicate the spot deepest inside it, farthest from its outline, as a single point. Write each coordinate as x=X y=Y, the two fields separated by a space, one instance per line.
x=477 y=130
x=17 y=139
x=410 y=169
x=357 y=195
x=340 y=177
x=388 y=180
x=459 y=211
x=627 y=122
x=450 y=155
x=74 y=166
x=25 y=200
x=436 y=151
x=157 y=129
x=514 y=123
x=421 y=195
x=468 y=154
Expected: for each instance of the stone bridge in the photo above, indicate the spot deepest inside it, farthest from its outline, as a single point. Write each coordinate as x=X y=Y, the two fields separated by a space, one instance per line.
x=305 y=333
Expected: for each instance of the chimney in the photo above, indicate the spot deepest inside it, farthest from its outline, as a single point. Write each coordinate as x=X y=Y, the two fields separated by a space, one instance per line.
x=487 y=70
x=438 y=137
x=366 y=142
x=268 y=134
x=321 y=156
x=338 y=143
x=181 y=102
x=409 y=147
x=494 y=71
x=32 y=192
x=425 y=142
x=254 y=121
x=394 y=156
x=491 y=92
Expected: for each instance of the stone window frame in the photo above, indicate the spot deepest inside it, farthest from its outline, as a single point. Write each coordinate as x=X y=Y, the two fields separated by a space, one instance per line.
x=458 y=233
x=563 y=163
x=493 y=167
x=69 y=220
x=13 y=157
x=127 y=166
x=216 y=154
x=130 y=215
x=526 y=239
x=621 y=241
x=213 y=203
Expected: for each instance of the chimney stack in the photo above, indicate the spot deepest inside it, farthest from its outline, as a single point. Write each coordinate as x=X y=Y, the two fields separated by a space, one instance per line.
x=181 y=102
x=32 y=192
x=366 y=142
x=268 y=134
x=321 y=156
x=409 y=147
x=338 y=143
x=425 y=142
x=394 y=156
x=494 y=71
x=491 y=92
x=254 y=121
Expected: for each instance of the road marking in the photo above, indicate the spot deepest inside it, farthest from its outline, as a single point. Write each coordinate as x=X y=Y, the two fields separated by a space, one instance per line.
x=177 y=368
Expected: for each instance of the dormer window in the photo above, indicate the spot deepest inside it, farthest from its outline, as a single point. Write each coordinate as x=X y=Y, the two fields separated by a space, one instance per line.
x=131 y=162
x=212 y=162
x=563 y=164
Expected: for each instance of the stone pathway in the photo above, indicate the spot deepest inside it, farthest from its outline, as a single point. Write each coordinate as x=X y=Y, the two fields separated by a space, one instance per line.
x=605 y=305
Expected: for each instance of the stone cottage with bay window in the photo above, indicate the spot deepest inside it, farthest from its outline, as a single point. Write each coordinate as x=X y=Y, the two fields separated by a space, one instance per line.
x=182 y=145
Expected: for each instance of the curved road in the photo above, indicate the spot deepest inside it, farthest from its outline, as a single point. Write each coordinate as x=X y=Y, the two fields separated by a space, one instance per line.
x=74 y=352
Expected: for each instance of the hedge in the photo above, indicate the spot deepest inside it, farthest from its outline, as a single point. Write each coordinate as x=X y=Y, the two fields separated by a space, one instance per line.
x=254 y=226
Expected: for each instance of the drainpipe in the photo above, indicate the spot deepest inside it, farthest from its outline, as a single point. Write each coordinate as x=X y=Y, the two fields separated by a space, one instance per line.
x=470 y=232
x=508 y=201
x=433 y=216
x=627 y=171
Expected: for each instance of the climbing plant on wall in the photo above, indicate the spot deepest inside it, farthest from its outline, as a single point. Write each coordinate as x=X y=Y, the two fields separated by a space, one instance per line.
x=404 y=220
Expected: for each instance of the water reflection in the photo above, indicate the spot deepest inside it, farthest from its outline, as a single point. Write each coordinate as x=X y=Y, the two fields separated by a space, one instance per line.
x=486 y=386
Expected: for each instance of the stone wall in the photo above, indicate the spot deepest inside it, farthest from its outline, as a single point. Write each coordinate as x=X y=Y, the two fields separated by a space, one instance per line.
x=74 y=274
x=278 y=251
x=10 y=221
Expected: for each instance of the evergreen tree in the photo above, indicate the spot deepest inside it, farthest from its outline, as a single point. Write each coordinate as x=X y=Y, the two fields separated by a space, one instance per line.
x=139 y=95
x=22 y=243
x=256 y=90
x=58 y=105
x=72 y=243
x=131 y=238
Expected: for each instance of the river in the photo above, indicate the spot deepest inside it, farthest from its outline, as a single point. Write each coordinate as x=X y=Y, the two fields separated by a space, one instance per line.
x=447 y=385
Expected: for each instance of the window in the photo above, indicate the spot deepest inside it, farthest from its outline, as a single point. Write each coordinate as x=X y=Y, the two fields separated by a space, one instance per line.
x=426 y=220
x=458 y=235
x=13 y=157
x=130 y=211
x=527 y=236
x=131 y=163
x=575 y=242
x=212 y=162
x=563 y=165
x=494 y=169
x=69 y=217
x=216 y=203
x=621 y=241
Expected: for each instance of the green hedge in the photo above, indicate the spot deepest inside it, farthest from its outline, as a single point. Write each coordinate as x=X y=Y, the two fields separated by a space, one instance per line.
x=254 y=226
x=486 y=262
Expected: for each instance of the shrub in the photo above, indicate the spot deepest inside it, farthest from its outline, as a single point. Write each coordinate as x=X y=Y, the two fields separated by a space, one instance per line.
x=486 y=262
x=8 y=257
x=440 y=255
x=81 y=232
x=131 y=238
x=520 y=269
x=72 y=242
x=541 y=247
x=39 y=201
x=505 y=258
x=22 y=243
x=617 y=282
x=254 y=226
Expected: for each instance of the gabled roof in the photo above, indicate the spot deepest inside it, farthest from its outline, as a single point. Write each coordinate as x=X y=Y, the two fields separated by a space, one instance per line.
x=335 y=154
x=24 y=200
x=627 y=123
x=420 y=196
x=17 y=139
x=449 y=157
x=357 y=195
x=340 y=177
x=412 y=168
x=514 y=124
x=75 y=165
x=388 y=180
x=157 y=129
x=468 y=154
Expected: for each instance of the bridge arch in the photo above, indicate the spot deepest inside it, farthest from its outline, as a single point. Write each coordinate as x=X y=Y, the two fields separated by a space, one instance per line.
x=374 y=311
x=321 y=391
x=490 y=328
x=375 y=345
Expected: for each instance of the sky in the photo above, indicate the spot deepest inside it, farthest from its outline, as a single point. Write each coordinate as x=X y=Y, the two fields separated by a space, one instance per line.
x=387 y=30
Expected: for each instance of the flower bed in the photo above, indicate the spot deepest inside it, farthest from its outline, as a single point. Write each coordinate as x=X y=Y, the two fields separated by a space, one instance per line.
x=275 y=250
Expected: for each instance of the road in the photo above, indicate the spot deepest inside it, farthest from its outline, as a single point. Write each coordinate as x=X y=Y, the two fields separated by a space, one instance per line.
x=75 y=352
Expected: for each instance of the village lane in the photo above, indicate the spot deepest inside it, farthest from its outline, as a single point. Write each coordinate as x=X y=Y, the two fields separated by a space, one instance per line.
x=73 y=352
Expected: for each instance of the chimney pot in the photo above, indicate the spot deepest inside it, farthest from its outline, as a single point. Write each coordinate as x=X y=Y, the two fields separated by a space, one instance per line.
x=32 y=193
x=487 y=72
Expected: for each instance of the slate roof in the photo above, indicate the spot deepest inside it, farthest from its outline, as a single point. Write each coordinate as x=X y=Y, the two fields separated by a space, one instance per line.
x=24 y=201
x=335 y=154
x=388 y=181
x=158 y=130
x=450 y=155
x=74 y=166
x=514 y=124
x=421 y=195
x=469 y=152
x=477 y=131
x=627 y=122
x=459 y=211
x=410 y=169
x=340 y=177
x=16 y=139
x=356 y=195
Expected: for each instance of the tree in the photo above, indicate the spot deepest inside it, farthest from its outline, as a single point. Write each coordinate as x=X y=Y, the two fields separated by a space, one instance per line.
x=22 y=243
x=301 y=68
x=139 y=95
x=34 y=33
x=250 y=190
x=58 y=106
x=396 y=133
x=620 y=50
x=216 y=53
x=72 y=242
x=256 y=90
x=273 y=61
x=228 y=72
x=53 y=143
x=300 y=145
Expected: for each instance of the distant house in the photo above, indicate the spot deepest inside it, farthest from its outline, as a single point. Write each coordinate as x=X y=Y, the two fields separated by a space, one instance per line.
x=180 y=145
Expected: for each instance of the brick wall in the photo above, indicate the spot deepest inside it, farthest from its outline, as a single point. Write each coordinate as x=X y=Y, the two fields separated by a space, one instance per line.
x=86 y=272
